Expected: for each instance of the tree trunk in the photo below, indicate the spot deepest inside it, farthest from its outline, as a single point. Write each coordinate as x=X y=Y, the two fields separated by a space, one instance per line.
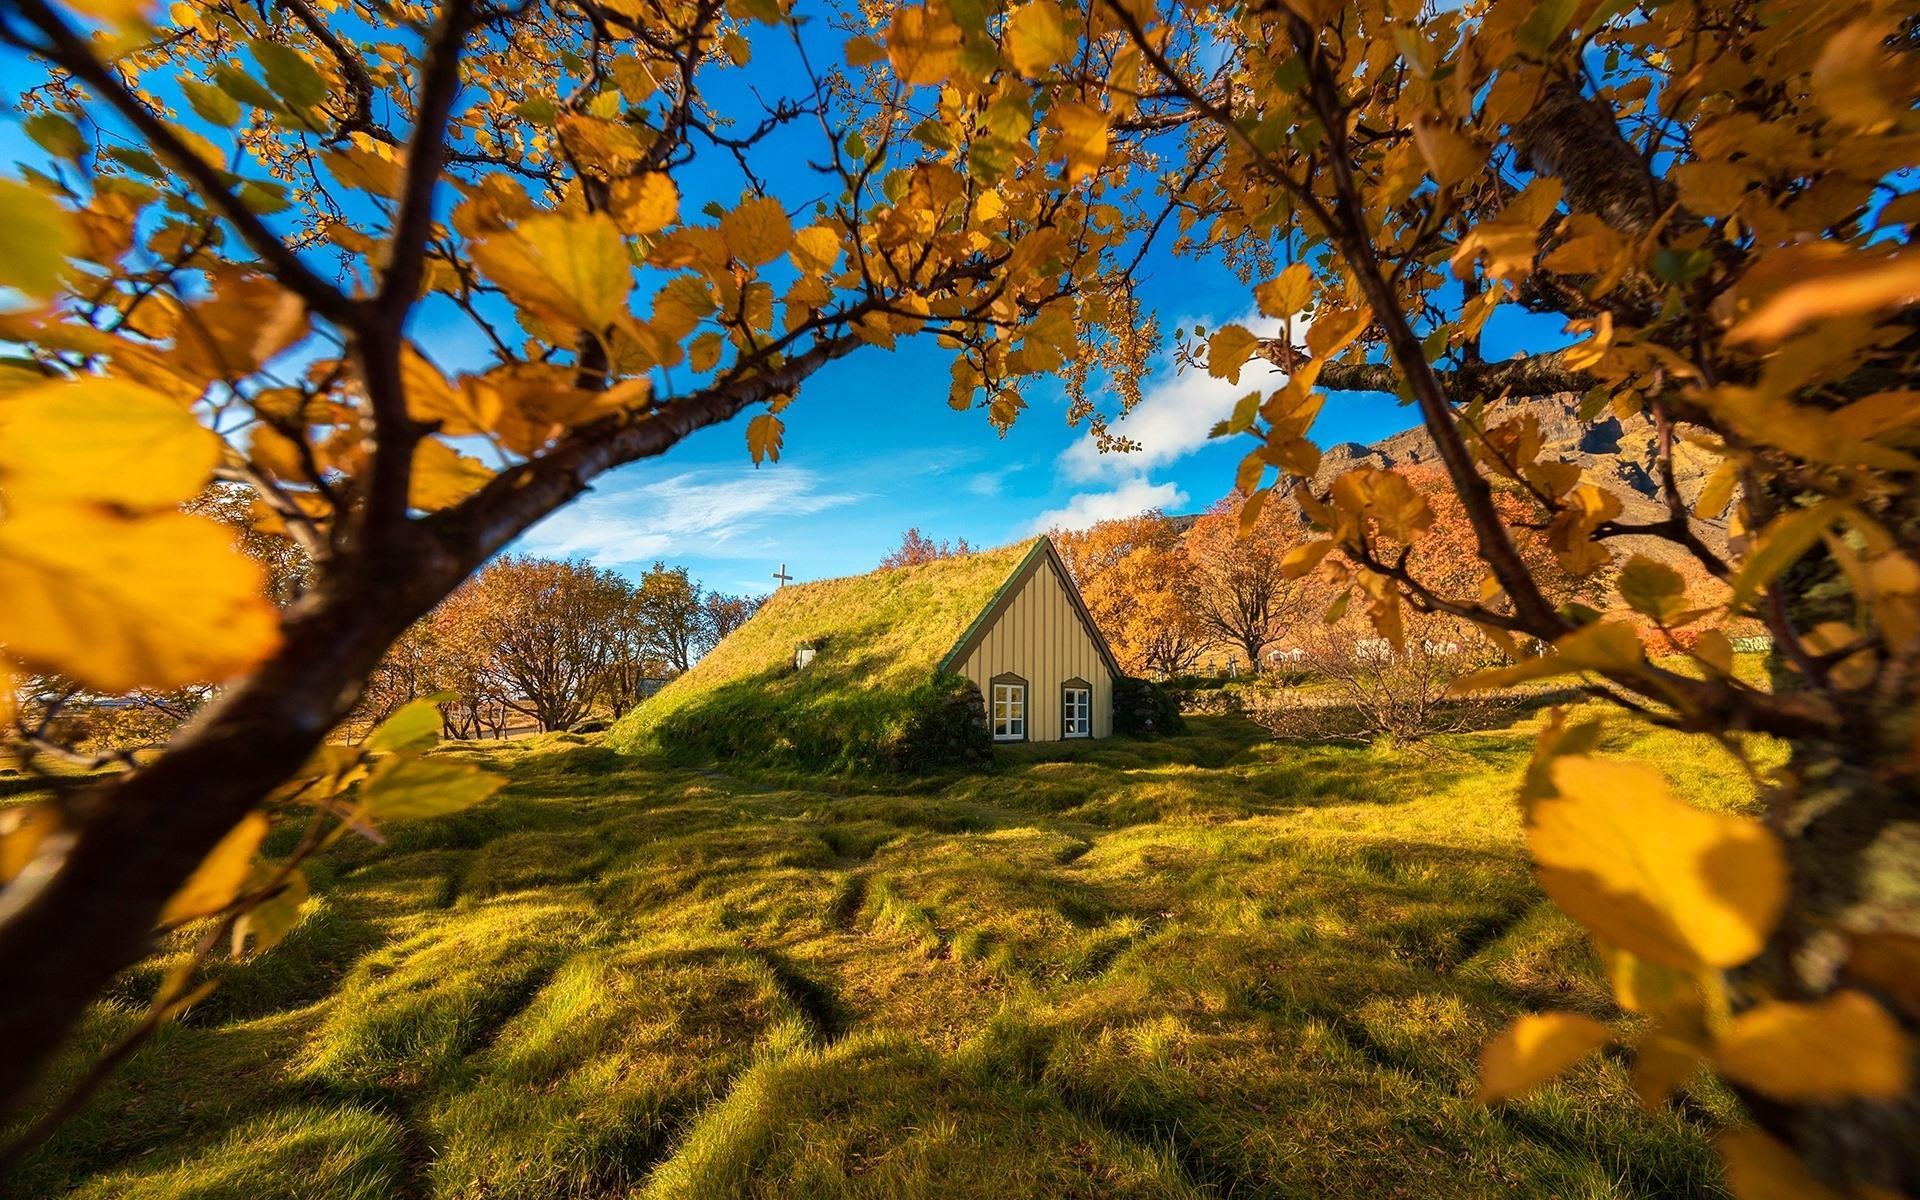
x=85 y=908
x=1854 y=848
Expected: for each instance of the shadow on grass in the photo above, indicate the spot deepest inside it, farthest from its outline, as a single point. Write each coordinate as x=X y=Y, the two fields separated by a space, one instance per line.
x=1204 y=966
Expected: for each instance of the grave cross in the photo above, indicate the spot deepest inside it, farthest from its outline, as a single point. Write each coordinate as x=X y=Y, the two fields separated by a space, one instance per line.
x=782 y=576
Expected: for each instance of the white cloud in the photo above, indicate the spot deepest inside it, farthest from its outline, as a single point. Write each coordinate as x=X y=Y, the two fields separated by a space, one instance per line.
x=715 y=512
x=988 y=484
x=1177 y=410
x=1130 y=499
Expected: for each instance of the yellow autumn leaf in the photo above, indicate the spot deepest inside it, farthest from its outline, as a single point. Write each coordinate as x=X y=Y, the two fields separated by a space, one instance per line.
x=22 y=829
x=1889 y=963
x=1228 y=351
x=1780 y=545
x=246 y=321
x=1863 y=284
x=220 y=876
x=1083 y=137
x=114 y=12
x=1510 y=240
x=1038 y=37
x=1855 y=78
x=816 y=248
x=269 y=922
x=1286 y=294
x=570 y=267
x=764 y=435
x=375 y=169
x=1717 y=491
x=758 y=231
x=1450 y=156
x=1383 y=496
x=455 y=411
x=647 y=204
x=1643 y=986
x=1250 y=511
x=1837 y=1048
x=104 y=440
x=36 y=235
x=414 y=726
x=408 y=787
x=1302 y=559
x=1334 y=330
x=123 y=602
x=1601 y=646
x=704 y=351
x=1654 y=876
x=862 y=51
x=1712 y=189
x=1535 y=1049
x=1760 y=1168
x=442 y=476
x=1652 y=588
x=1661 y=1064
x=1714 y=649
x=924 y=44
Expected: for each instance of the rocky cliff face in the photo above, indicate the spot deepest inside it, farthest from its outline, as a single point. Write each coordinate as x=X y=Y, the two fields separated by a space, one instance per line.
x=1620 y=455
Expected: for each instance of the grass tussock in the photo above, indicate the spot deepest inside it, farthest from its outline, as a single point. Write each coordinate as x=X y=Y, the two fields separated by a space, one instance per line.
x=1208 y=966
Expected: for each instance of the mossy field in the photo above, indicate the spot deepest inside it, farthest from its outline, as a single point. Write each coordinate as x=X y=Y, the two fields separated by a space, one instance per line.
x=1210 y=966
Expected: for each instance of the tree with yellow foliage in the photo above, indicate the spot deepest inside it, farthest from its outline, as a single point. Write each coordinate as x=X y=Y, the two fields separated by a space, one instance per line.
x=1241 y=593
x=246 y=216
x=1139 y=584
x=1717 y=198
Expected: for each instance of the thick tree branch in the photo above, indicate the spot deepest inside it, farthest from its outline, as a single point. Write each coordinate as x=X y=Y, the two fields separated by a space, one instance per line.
x=426 y=159
x=1350 y=232
x=142 y=833
x=1575 y=139
x=382 y=343
x=513 y=500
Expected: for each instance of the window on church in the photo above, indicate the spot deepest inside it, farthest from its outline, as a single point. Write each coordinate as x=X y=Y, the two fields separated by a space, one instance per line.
x=1009 y=713
x=1076 y=711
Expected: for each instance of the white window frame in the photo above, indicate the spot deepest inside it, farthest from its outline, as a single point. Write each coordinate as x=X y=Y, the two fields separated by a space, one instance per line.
x=1076 y=724
x=1009 y=714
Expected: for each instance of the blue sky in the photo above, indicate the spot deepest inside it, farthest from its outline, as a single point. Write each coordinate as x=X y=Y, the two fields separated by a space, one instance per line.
x=871 y=444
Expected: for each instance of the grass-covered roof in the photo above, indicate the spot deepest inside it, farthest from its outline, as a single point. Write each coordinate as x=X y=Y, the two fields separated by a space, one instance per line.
x=879 y=642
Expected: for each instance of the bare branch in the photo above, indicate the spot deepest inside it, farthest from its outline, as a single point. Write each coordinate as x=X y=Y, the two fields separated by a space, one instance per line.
x=70 y=51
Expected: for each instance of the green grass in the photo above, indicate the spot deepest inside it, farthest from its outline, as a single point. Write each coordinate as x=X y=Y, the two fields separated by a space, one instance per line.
x=1206 y=966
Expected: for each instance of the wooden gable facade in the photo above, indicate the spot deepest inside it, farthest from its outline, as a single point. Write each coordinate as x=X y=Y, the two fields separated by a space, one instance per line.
x=1037 y=655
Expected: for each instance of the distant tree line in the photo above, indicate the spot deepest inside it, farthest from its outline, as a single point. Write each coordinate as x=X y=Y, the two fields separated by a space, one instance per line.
x=1170 y=593
x=525 y=641
x=551 y=643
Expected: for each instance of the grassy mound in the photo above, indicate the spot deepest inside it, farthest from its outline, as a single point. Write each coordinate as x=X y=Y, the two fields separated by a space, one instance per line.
x=1201 y=966
x=872 y=698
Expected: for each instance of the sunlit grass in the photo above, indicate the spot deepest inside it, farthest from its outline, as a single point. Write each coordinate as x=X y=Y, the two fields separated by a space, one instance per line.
x=1207 y=966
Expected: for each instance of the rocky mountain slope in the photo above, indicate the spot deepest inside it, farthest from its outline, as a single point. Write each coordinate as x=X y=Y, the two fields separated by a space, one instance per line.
x=1619 y=455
